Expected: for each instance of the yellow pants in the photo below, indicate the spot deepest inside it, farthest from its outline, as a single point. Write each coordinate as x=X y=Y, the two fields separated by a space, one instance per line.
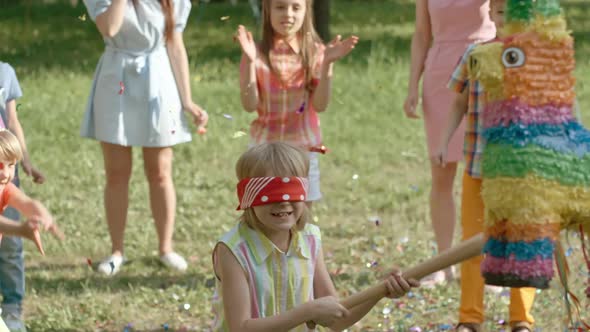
x=472 y=283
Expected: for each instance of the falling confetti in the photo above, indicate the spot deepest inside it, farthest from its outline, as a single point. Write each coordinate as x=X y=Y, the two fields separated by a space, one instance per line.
x=320 y=149
x=121 y=88
x=82 y=17
x=224 y=18
x=238 y=134
x=355 y=176
x=228 y=116
x=89 y=261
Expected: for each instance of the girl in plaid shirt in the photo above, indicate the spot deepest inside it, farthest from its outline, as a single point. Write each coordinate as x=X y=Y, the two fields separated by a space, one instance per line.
x=287 y=79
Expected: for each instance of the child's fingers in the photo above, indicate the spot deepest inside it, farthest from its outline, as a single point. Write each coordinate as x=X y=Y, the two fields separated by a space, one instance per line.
x=53 y=229
x=37 y=240
x=393 y=287
x=403 y=283
x=413 y=282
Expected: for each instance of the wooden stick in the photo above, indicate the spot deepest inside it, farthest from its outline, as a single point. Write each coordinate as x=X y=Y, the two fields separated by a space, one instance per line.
x=465 y=250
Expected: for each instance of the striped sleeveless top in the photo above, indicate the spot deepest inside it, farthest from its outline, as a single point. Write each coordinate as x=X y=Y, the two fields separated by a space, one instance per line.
x=278 y=281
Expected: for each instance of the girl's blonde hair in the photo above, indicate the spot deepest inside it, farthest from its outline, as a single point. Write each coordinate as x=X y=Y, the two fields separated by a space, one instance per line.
x=272 y=159
x=10 y=148
x=307 y=35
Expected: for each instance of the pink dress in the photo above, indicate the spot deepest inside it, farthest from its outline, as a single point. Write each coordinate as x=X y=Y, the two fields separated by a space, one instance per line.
x=455 y=24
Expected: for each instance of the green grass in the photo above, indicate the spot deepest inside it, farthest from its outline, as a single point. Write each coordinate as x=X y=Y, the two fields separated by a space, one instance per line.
x=54 y=53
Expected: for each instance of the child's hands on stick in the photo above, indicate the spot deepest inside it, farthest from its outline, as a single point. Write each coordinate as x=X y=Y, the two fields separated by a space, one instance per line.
x=397 y=285
x=326 y=311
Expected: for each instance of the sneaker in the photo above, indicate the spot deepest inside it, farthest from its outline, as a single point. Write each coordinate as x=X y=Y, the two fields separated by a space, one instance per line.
x=174 y=261
x=11 y=314
x=111 y=265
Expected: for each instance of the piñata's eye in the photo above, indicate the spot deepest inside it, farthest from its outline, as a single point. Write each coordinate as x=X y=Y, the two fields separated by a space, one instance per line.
x=513 y=57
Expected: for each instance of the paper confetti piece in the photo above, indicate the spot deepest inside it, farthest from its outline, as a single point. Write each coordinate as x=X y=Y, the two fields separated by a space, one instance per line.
x=320 y=149
x=89 y=261
x=82 y=17
x=238 y=134
x=228 y=116
x=121 y=88
x=224 y=18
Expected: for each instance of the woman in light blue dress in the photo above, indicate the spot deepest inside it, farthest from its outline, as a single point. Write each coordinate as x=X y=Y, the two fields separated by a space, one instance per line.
x=139 y=95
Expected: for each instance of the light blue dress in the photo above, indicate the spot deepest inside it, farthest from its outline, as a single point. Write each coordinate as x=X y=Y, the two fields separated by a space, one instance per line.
x=134 y=99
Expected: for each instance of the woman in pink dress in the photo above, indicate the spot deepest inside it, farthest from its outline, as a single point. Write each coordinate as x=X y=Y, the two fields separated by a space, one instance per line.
x=444 y=29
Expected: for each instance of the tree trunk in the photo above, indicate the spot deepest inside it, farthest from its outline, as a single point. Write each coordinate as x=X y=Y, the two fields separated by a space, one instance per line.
x=321 y=13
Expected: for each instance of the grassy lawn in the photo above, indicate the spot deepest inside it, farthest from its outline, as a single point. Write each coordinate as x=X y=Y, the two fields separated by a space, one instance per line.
x=377 y=167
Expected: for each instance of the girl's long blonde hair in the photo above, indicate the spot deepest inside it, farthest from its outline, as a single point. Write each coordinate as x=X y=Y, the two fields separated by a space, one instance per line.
x=307 y=35
x=272 y=159
x=10 y=148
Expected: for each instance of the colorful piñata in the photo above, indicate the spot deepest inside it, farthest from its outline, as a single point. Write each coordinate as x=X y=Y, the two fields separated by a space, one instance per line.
x=536 y=164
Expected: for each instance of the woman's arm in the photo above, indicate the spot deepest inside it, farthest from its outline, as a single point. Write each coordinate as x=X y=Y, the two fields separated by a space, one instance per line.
x=109 y=23
x=420 y=45
x=236 y=300
x=179 y=63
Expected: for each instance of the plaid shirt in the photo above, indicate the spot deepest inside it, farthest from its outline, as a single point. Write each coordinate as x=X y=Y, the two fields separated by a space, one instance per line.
x=474 y=140
x=285 y=112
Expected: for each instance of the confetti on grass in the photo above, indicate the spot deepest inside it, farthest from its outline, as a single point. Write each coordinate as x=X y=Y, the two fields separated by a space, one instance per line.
x=224 y=18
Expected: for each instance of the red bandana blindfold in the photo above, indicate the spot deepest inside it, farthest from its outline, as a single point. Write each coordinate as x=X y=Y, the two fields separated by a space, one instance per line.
x=266 y=190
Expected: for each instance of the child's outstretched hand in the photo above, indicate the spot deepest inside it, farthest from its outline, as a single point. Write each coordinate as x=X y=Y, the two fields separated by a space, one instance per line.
x=327 y=310
x=337 y=48
x=200 y=117
x=30 y=230
x=397 y=285
x=244 y=37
